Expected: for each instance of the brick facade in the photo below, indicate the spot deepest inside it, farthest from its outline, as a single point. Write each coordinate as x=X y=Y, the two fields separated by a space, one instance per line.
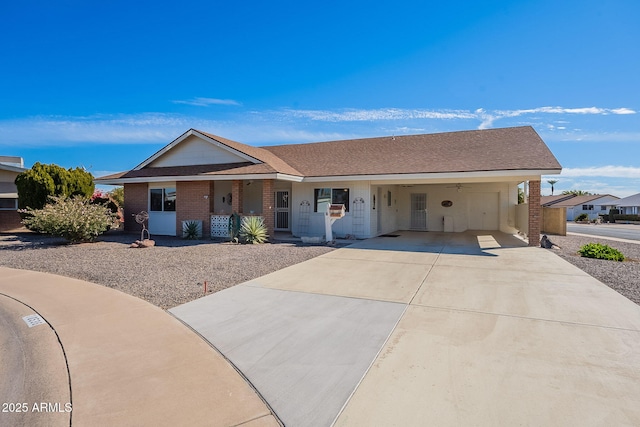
x=535 y=214
x=268 y=204
x=237 y=190
x=10 y=220
x=135 y=200
x=192 y=203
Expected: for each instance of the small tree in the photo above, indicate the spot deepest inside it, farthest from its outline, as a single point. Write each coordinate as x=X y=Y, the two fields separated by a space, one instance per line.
x=552 y=182
x=75 y=219
x=117 y=194
x=37 y=184
x=577 y=192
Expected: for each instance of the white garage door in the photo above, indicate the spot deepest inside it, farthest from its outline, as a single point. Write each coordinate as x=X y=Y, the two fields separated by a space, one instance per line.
x=484 y=211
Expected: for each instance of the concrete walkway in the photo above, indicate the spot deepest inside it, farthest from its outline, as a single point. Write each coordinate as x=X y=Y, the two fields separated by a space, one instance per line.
x=432 y=329
x=129 y=362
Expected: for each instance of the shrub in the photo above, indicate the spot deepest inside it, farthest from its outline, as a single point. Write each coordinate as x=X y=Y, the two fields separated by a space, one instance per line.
x=253 y=230
x=600 y=251
x=75 y=219
x=37 y=184
x=191 y=230
x=117 y=195
x=582 y=217
x=627 y=217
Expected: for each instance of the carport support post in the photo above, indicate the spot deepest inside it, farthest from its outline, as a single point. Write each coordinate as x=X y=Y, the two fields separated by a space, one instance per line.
x=268 y=203
x=534 y=213
x=236 y=195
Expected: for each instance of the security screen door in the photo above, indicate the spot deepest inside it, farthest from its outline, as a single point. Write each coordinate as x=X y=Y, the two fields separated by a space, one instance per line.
x=418 y=211
x=282 y=210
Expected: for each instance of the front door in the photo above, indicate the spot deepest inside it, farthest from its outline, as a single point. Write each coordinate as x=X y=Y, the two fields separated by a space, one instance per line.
x=418 y=211
x=282 y=210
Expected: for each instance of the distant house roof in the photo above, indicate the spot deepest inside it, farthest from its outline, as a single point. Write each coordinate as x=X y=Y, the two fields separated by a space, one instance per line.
x=552 y=200
x=509 y=149
x=633 y=200
x=580 y=200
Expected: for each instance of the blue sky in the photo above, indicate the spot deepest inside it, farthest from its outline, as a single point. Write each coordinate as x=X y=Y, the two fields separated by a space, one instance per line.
x=106 y=84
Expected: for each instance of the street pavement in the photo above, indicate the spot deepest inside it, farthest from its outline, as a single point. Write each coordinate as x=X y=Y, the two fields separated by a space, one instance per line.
x=130 y=363
x=628 y=232
x=33 y=370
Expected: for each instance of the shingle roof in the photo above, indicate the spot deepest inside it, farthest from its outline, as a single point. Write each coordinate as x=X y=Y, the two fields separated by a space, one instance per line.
x=217 y=169
x=552 y=200
x=518 y=148
x=580 y=200
x=258 y=153
x=633 y=200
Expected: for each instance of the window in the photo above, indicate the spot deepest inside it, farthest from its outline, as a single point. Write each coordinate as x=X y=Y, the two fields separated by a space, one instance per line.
x=9 y=204
x=162 y=199
x=330 y=195
x=603 y=208
x=587 y=207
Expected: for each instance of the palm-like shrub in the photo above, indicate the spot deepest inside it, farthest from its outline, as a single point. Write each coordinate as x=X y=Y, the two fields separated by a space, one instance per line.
x=253 y=230
x=75 y=219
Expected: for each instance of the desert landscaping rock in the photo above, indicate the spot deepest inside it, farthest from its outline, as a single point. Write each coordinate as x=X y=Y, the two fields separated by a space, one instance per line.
x=169 y=274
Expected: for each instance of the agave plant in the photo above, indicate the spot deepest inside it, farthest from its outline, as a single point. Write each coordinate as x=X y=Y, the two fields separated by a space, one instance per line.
x=253 y=230
x=191 y=230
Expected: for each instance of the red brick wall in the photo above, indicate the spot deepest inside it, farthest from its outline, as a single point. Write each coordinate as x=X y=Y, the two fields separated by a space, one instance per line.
x=535 y=213
x=135 y=200
x=237 y=190
x=191 y=204
x=9 y=220
x=268 y=205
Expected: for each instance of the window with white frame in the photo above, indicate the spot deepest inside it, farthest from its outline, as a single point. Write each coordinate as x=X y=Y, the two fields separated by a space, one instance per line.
x=587 y=207
x=8 y=204
x=330 y=195
x=162 y=199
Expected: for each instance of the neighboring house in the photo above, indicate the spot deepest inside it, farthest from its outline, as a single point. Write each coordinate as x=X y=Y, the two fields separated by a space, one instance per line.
x=10 y=167
x=629 y=205
x=591 y=205
x=439 y=182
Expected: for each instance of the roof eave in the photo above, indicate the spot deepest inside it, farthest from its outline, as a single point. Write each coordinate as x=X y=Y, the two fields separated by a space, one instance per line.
x=203 y=177
x=518 y=175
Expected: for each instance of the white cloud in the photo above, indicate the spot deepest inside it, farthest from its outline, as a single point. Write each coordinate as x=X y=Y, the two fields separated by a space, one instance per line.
x=355 y=115
x=205 y=102
x=603 y=171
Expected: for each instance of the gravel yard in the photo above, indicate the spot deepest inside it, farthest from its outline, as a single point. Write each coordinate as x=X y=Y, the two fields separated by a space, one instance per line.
x=170 y=274
x=623 y=277
x=173 y=272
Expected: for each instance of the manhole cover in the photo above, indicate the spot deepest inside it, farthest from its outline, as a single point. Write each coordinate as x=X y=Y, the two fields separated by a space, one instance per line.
x=33 y=320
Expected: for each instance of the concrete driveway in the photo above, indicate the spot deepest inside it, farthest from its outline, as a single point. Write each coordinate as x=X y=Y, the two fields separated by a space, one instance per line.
x=467 y=328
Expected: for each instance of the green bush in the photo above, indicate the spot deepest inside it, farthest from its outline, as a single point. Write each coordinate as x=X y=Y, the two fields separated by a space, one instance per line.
x=253 y=230
x=37 y=184
x=582 y=217
x=627 y=217
x=600 y=251
x=75 y=219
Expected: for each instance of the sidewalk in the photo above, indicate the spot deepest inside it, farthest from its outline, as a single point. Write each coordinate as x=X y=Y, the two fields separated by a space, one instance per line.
x=132 y=363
